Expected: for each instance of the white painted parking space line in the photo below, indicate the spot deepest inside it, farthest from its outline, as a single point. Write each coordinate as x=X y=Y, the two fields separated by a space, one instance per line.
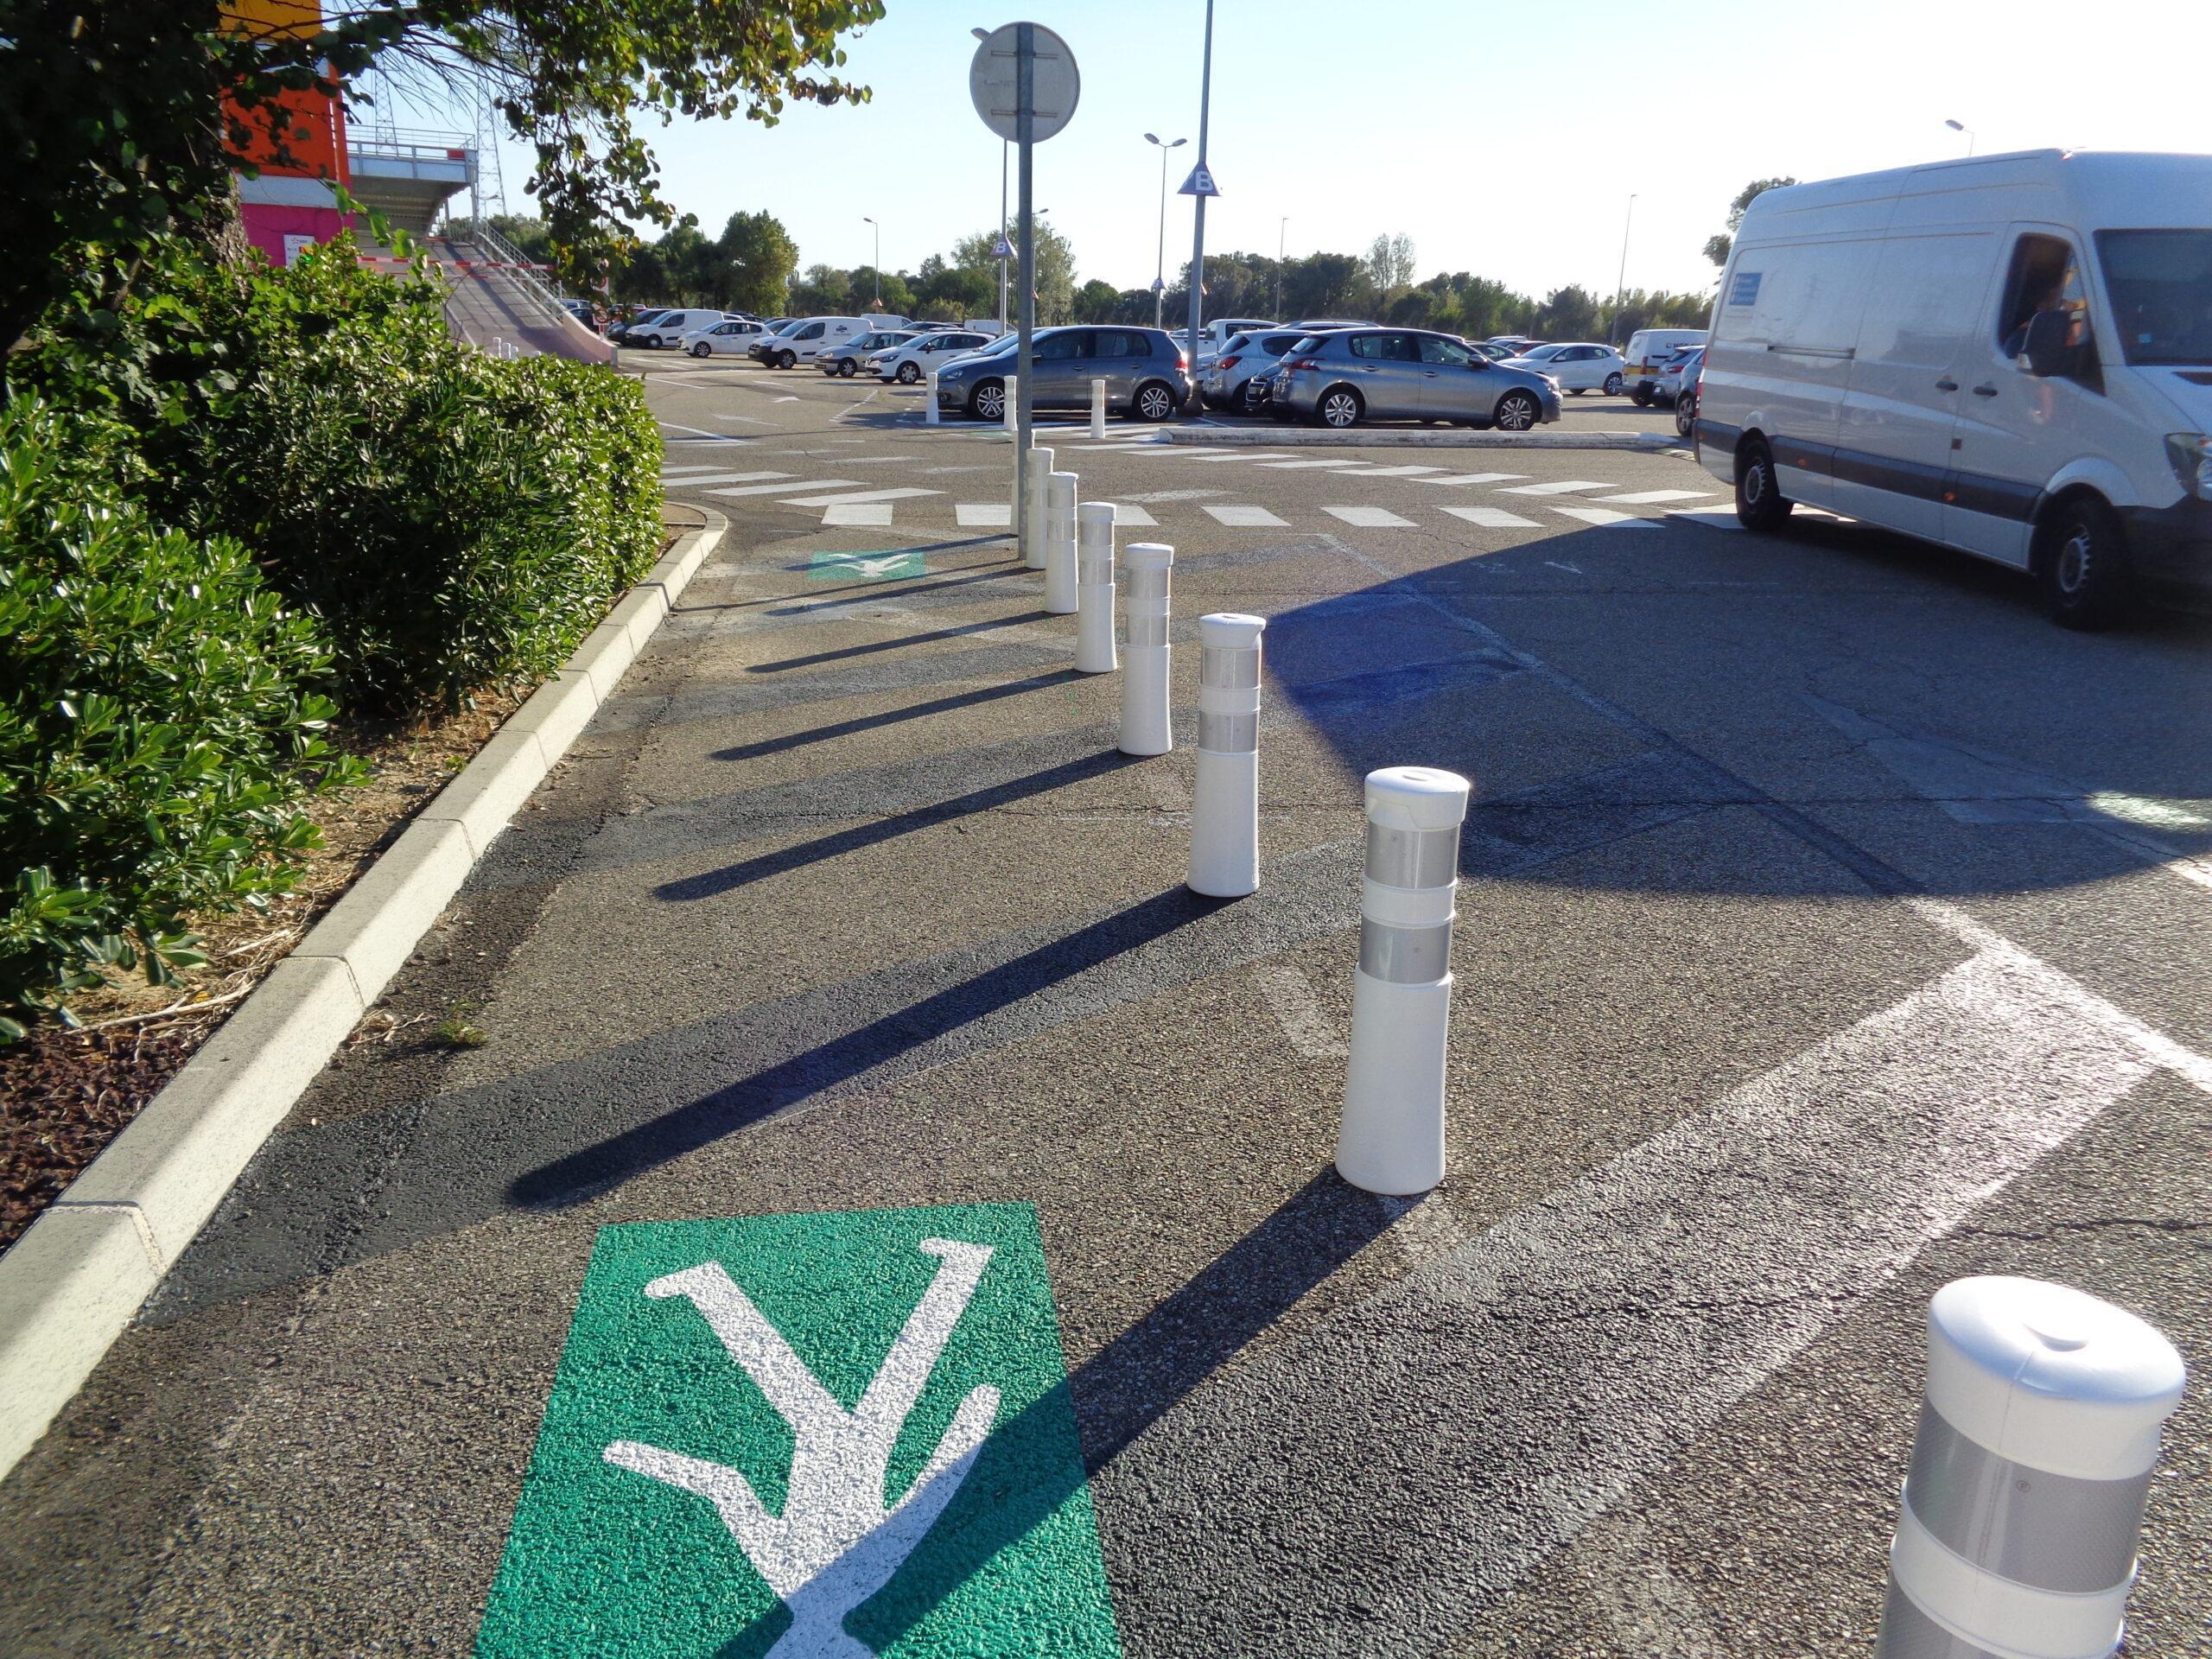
x=1134 y=518
x=1237 y=515
x=1247 y=455
x=1476 y=478
x=1569 y=486
x=700 y=431
x=857 y=514
x=1645 y=498
x=1370 y=517
x=861 y=495
x=678 y=472
x=1290 y=998
x=785 y=489
x=1342 y=466
x=711 y=475
x=1403 y=472
x=1493 y=518
x=1608 y=517
x=1711 y=518
x=984 y=515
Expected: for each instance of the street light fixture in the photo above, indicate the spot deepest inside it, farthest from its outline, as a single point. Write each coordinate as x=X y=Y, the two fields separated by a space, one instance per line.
x=878 y=268
x=1160 y=271
x=1959 y=126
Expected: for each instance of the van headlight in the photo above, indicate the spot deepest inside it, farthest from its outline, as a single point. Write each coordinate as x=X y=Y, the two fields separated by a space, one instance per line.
x=2191 y=454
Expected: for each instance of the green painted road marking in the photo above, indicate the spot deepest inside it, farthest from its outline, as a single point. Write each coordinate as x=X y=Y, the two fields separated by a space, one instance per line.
x=808 y=1437
x=895 y=566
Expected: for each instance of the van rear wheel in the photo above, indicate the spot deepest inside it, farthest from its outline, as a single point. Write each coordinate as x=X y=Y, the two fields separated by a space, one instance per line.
x=2082 y=564
x=1760 y=503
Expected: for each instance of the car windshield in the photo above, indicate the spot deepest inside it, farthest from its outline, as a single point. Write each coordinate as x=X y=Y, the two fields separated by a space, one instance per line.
x=1540 y=353
x=2160 y=285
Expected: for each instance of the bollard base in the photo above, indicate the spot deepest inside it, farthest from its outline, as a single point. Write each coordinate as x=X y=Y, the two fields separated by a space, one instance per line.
x=1225 y=826
x=1391 y=1140
x=1094 y=629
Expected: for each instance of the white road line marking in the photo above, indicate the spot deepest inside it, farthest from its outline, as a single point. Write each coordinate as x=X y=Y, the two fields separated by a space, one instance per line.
x=1290 y=998
x=1133 y=518
x=1370 y=517
x=1246 y=455
x=1157 y=496
x=701 y=431
x=1609 y=518
x=1493 y=518
x=787 y=400
x=863 y=495
x=1561 y=564
x=785 y=489
x=1403 y=472
x=856 y=514
x=667 y=473
x=1239 y=516
x=1645 y=498
x=712 y=476
x=1338 y=465
x=1711 y=518
x=1476 y=478
x=984 y=515
x=1568 y=486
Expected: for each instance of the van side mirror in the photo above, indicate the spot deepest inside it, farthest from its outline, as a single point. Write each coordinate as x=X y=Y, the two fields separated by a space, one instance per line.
x=2049 y=355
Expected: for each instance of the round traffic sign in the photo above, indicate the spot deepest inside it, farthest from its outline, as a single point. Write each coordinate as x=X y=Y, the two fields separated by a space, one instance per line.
x=993 y=79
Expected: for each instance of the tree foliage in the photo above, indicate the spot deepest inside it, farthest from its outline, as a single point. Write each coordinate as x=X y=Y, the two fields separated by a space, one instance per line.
x=1717 y=247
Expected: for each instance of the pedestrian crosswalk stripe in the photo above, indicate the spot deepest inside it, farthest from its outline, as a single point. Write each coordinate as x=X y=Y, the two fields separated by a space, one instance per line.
x=711 y=476
x=1370 y=517
x=1237 y=516
x=984 y=515
x=785 y=489
x=1476 y=478
x=857 y=495
x=678 y=472
x=1493 y=518
x=1711 y=518
x=1609 y=518
x=1402 y=472
x=1134 y=518
x=1569 y=486
x=856 y=514
x=1340 y=465
x=1644 y=498
x=1247 y=455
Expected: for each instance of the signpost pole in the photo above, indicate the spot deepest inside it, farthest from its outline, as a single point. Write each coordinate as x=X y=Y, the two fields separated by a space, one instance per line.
x=1198 y=235
x=1026 y=126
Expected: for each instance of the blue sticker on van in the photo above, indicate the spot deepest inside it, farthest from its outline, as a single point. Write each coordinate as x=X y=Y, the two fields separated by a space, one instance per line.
x=1744 y=291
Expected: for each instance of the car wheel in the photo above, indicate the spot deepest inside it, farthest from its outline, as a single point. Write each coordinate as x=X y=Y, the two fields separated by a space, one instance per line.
x=1245 y=404
x=2082 y=562
x=847 y=368
x=1517 y=412
x=702 y=350
x=1340 y=407
x=988 y=401
x=1760 y=503
x=1612 y=385
x=1641 y=397
x=1576 y=392
x=1155 y=401
x=1685 y=415
x=652 y=342
x=909 y=372
x=787 y=360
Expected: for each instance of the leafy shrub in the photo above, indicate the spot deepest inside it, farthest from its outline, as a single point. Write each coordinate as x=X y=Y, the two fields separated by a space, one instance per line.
x=155 y=727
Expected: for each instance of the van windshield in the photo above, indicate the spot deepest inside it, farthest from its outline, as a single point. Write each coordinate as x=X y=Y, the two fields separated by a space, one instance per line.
x=2160 y=285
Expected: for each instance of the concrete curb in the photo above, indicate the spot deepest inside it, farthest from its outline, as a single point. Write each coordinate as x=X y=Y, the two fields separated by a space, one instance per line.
x=74 y=1282
x=1291 y=437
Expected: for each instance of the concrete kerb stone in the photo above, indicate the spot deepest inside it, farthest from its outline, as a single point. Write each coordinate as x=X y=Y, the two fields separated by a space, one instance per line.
x=1360 y=437
x=72 y=1284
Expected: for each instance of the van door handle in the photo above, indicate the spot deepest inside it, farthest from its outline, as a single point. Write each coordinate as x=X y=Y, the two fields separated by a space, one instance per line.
x=1984 y=392
x=1947 y=385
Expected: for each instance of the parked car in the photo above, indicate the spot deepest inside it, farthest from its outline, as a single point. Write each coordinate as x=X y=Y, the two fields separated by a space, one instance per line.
x=731 y=335
x=669 y=328
x=1492 y=350
x=1212 y=336
x=1577 y=365
x=1686 y=379
x=1341 y=379
x=618 y=331
x=1316 y=325
x=805 y=339
x=764 y=349
x=846 y=359
x=1146 y=370
x=1679 y=370
x=1516 y=344
x=913 y=361
x=1649 y=352
x=1238 y=378
x=2010 y=355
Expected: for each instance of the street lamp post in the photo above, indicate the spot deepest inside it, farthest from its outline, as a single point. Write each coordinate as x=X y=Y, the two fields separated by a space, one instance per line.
x=1620 y=284
x=1160 y=270
x=1281 y=225
x=878 y=268
x=1198 y=217
x=1959 y=126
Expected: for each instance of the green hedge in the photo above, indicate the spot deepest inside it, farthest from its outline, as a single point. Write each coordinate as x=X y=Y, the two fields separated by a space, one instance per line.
x=155 y=737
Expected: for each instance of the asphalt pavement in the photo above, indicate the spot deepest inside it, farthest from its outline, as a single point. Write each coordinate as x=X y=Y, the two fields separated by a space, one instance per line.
x=1831 y=927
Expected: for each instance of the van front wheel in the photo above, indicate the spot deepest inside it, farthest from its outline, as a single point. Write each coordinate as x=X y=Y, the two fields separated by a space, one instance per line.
x=2082 y=562
x=1760 y=503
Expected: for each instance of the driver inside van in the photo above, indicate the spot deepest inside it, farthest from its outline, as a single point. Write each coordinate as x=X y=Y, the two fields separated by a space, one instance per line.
x=2047 y=287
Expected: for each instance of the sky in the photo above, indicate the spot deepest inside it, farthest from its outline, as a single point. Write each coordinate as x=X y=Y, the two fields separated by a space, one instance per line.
x=1504 y=139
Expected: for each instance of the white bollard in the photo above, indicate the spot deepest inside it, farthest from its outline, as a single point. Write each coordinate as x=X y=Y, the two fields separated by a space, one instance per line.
x=1146 y=728
x=1098 y=409
x=1033 y=509
x=1059 y=544
x=929 y=411
x=1392 y=1137
x=2034 y=1454
x=1094 y=588
x=1012 y=425
x=1225 y=799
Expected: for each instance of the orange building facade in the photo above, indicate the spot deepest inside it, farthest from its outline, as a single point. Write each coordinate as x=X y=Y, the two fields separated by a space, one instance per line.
x=296 y=142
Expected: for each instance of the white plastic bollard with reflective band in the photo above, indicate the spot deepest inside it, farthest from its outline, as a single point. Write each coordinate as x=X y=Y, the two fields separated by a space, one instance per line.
x=1012 y=426
x=1032 y=516
x=1225 y=797
x=1098 y=409
x=1145 y=726
x=1094 y=588
x=1059 y=544
x=929 y=409
x=2029 y=1467
x=1392 y=1137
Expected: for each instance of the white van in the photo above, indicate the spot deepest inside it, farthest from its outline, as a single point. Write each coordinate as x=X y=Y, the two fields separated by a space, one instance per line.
x=669 y=328
x=2010 y=355
x=808 y=338
x=1650 y=352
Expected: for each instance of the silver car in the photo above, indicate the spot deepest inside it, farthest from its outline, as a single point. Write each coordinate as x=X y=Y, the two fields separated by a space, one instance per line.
x=1145 y=370
x=1406 y=374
